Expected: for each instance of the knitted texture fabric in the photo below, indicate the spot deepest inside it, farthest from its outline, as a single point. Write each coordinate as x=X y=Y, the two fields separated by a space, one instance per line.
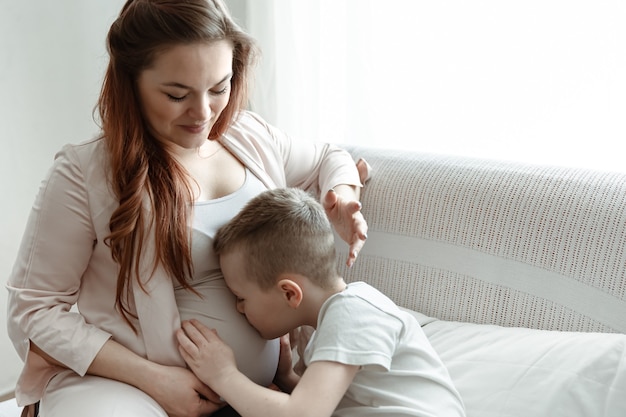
x=495 y=242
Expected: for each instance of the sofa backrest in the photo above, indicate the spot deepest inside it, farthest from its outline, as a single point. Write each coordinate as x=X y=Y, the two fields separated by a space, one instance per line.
x=495 y=242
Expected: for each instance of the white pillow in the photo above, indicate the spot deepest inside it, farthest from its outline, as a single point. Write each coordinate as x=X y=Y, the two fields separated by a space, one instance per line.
x=511 y=372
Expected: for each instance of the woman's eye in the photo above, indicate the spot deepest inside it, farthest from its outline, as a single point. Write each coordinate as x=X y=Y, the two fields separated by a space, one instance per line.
x=220 y=92
x=175 y=98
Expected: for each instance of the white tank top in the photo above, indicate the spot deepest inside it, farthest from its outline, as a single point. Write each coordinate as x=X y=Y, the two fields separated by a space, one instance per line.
x=257 y=358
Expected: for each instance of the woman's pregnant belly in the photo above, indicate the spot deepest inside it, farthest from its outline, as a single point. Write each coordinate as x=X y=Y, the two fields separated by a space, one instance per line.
x=256 y=357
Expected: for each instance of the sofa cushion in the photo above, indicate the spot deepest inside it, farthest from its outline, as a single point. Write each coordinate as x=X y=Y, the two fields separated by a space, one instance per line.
x=506 y=371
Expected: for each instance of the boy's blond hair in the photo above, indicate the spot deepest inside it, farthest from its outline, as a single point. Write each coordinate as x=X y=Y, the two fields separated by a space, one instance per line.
x=284 y=230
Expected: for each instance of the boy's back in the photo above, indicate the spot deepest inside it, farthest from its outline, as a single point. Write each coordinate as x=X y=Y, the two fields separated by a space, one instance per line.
x=400 y=374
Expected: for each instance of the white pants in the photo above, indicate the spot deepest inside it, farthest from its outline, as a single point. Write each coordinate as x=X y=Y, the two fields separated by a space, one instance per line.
x=69 y=395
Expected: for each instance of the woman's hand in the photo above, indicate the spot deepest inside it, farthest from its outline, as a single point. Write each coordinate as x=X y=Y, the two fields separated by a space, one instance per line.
x=344 y=211
x=177 y=390
x=182 y=394
x=286 y=379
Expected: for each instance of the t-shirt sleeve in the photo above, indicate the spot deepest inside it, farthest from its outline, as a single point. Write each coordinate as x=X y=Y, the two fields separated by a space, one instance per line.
x=354 y=332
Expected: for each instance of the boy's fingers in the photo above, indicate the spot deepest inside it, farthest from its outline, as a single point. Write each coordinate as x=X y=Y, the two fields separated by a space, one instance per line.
x=200 y=329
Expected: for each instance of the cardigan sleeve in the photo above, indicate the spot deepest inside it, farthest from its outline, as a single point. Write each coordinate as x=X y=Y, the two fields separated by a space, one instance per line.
x=314 y=166
x=46 y=279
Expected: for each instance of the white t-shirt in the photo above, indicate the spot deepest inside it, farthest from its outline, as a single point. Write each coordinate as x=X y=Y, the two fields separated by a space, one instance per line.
x=400 y=374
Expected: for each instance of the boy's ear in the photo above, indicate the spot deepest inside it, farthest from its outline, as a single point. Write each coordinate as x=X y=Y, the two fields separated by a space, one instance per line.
x=290 y=290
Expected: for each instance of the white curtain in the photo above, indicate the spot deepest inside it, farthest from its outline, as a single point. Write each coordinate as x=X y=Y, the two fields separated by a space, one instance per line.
x=537 y=80
x=308 y=74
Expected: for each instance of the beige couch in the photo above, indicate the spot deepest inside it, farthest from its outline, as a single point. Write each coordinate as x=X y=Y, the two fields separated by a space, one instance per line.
x=516 y=272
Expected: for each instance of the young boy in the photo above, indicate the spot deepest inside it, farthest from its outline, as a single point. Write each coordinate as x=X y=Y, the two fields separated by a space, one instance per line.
x=366 y=357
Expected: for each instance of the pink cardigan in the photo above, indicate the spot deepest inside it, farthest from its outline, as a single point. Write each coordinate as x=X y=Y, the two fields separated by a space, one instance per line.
x=63 y=262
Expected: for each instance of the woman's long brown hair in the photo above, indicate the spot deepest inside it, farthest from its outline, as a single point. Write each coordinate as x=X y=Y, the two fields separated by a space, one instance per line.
x=152 y=188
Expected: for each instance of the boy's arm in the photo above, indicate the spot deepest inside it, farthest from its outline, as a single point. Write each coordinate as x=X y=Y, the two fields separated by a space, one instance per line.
x=318 y=392
x=320 y=389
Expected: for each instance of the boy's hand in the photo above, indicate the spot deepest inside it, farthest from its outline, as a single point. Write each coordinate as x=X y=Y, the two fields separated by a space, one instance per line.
x=286 y=379
x=208 y=357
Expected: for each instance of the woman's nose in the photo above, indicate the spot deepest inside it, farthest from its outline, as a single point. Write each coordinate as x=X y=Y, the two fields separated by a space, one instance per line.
x=201 y=108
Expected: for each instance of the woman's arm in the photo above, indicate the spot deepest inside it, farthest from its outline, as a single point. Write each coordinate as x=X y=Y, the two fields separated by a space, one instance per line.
x=314 y=167
x=326 y=167
x=286 y=378
x=47 y=277
x=176 y=389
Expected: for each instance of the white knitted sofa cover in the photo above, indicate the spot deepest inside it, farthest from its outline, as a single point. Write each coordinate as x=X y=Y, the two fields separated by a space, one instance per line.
x=517 y=272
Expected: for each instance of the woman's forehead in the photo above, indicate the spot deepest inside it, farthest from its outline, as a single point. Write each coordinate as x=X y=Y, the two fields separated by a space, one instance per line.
x=188 y=64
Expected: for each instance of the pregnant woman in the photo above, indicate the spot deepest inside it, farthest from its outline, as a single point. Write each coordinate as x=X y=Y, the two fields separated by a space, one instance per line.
x=117 y=249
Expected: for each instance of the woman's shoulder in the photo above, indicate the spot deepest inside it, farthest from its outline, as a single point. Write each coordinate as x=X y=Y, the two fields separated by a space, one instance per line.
x=85 y=150
x=89 y=158
x=249 y=117
x=250 y=131
x=248 y=121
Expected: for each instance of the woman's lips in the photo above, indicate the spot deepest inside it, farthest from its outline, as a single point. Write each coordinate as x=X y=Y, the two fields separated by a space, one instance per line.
x=195 y=128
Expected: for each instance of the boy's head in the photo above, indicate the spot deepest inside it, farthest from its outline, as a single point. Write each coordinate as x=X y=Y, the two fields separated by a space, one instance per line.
x=284 y=230
x=279 y=234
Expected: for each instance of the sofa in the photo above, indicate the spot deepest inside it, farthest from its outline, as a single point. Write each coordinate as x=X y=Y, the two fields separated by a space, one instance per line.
x=516 y=272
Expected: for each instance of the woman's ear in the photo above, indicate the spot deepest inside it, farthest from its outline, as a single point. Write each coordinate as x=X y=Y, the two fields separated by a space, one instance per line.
x=290 y=291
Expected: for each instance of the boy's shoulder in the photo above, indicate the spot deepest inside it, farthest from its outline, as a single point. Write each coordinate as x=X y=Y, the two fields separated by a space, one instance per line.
x=370 y=294
x=374 y=300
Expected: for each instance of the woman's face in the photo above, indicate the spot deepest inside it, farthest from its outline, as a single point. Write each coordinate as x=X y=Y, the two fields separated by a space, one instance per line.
x=185 y=90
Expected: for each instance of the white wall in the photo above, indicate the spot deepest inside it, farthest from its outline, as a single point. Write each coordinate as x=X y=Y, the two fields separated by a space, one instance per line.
x=52 y=57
